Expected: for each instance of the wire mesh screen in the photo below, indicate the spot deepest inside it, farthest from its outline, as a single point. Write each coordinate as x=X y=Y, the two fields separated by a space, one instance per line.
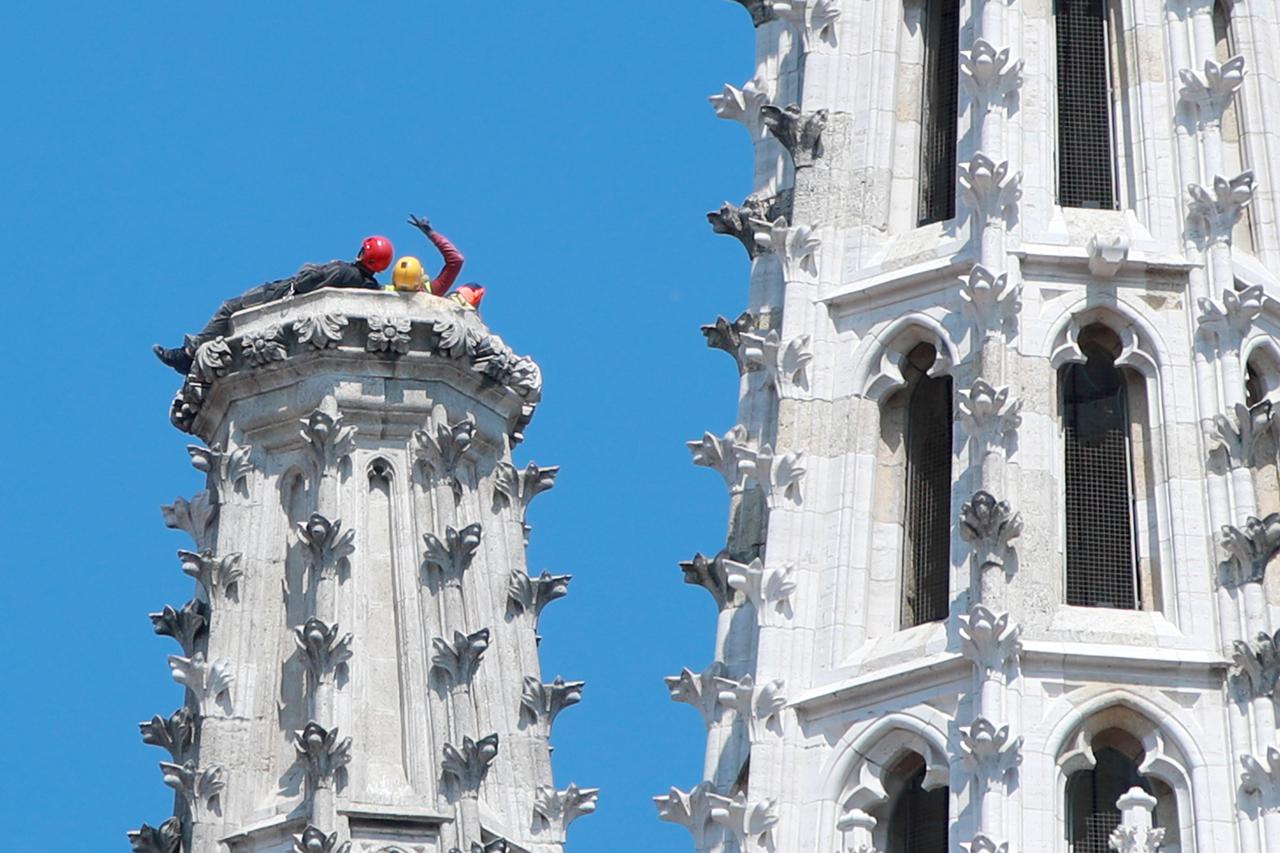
x=939 y=111
x=920 y=819
x=1100 y=566
x=1092 y=813
x=1085 y=167
x=927 y=520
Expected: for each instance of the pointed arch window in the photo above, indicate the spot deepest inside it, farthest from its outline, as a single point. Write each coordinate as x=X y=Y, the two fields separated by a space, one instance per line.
x=927 y=514
x=918 y=818
x=1086 y=155
x=939 y=111
x=1092 y=812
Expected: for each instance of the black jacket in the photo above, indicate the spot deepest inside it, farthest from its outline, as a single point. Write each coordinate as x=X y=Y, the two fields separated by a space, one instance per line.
x=333 y=274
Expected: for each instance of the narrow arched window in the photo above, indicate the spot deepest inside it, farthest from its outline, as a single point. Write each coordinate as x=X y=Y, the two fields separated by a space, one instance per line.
x=918 y=819
x=1086 y=159
x=1092 y=813
x=927 y=514
x=938 y=110
x=1101 y=569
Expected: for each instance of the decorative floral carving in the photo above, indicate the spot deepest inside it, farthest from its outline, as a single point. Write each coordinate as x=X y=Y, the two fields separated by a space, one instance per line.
x=165 y=838
x=742 y=105
x=799 y=133
x=327 y=544
x=759 y=705
x=731 y=456
x=217 y=575
x=558 y=809
x=991 y=303
x=441 y=448
x=264 y=347
x=469 y=765
x=388 y=334
x=221 y=468
x=199 y=788
x=518 y=488
x=329 y=438
x=212 y=361
x=322 y=647
x=691 y=810
x=988 y=415
x=1262 y=777
x=796 y=246
x=811 y=18
x=990 y=639
x=320 y=330
x=175 y=734
x=989 y=188
x=769 y=589
x=987 y=75
x=458 y=660
x=541 y=703
x=727 y=336
x=779 y=475
x=1233 y=319
x=988 y=752
x=1135 y=839
x=698 y=689
x=746 y=821
x=207 y=682
x=1237 y=439
x=785 y=368
x=1214 y=212
x=1213 y=90
x=745 y=224
x=196 y=517
x=989 y=526
x=313 y=840
x=983 y=843
x=710 y=574
x=323 y=754
x=186 y=626
x=452 y=557
x=1249 y=550
x=1255 y=670
x=527 y=594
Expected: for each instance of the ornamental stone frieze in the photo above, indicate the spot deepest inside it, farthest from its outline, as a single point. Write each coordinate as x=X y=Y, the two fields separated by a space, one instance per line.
x=1212 y=90
x=988 y=76
x=989 y=188
x=990 y=302
x=769 y=589
x=1249 y=550
x=798 y=132
x=188 y=626
x=207 y=683
x=743 y=106
x=699 y=689
x=529 y=595
x=326 y=544
x=324 y=649
x=442 y=447
x=468 y=765
x=1214 y=212
x=556 y=810
x=457 y=661
x=541 y=703
x=165 y=838
x=323 y=754
x=727 y=335
x=989 y=525
x=760 y=706
x=448 y=559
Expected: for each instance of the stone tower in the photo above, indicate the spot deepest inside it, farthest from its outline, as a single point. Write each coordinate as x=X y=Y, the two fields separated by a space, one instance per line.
x=360 y=657
x=1004 y=471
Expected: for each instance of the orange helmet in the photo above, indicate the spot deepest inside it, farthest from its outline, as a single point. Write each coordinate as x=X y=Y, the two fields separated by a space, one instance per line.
x=469 y=295
x=376 y=253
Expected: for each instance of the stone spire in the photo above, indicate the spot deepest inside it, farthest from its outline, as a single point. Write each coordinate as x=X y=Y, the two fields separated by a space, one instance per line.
x=357 y=653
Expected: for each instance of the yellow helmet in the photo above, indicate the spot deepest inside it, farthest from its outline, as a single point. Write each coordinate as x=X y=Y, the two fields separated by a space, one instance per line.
x=408 y=275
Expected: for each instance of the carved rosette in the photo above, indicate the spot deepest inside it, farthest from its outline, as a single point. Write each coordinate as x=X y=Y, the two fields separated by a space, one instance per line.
x=451 y=557
x=441 y=449
x=731 y=456
x=326 y=543
x=990 y=302
x=313 y=840
x=322 y=646
x=188 y=626
x=458 y=660
x=467 y=765
x=541 y=703
x=558 y=809
x=207 y=683
x=990 y=640
x=699 y=689
x=798 y=132
x=988 y=751
x=265 y=347
x=785 y=368
x=389 y=334
x=322 y=331
x=165 y=838
x=1255 y=669
x=988 y=415
x=1231 y=320
x=712 y=574
x=526 y=594
x=989 y=526
x=989 y=188
x=726 y=335
x=742 y=105
x=1236 y=440
x=1215 y=211
x=1211 y=91
x=796 y=246
x=768 y=589
x=760 y=706
x=988 y=76
x=1249 y=550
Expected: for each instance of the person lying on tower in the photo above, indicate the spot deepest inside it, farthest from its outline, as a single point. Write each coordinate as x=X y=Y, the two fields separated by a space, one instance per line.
x=375 y=256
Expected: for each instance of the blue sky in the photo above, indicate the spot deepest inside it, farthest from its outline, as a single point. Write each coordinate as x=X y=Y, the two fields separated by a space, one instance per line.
x=153 y=161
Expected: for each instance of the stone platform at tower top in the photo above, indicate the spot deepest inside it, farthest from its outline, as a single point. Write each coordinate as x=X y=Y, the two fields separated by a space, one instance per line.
x=378 y=334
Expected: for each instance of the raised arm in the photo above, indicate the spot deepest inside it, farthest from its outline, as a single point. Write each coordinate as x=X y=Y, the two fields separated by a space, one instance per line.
x=453 y=259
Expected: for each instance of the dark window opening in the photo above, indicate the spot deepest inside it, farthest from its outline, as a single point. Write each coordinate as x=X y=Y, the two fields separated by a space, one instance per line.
x=1086 y=171
x=1092 y=814
x=1254 y=392
x=919 y=820
x=1100 y=555
x=939 y=111
x=927 y=518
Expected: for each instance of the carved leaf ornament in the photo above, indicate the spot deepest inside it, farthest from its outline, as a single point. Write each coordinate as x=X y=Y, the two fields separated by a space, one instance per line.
x=745 y=223
x=327 y=544
x=1249 y=550
x=322 y=647
x=813 y=19
x=726 y=335
x=987 y=75
x=742 y=105
x=989 y=187
x=768 y=589
x=1217 y=210
x=746 y=821
x=458 y=660
x=560 y=808
x=452 y=556
x=165 y=838
x=990 y=640
x=313 y=840
x=322 y=752
x=989 y=300
x=541 y=703
x=1255 y=670
x=527 y=594
x=989 y=526
x=699 y=689
x=798 y=132
x=785 y=368
x=760 y=705
x=1237 y=440
x=712 y=574
x=731 y=456
x=320 y=330
x=188 y=625
x=468 y=765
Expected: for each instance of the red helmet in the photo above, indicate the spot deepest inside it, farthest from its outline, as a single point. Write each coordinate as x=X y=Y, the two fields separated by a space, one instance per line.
x=376 y=253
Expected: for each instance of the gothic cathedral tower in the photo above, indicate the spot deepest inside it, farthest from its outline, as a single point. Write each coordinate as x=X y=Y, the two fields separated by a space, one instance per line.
x=360 y=658
x=1004 y=472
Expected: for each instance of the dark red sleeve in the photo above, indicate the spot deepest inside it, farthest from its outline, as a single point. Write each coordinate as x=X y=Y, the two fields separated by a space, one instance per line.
x=452 y=264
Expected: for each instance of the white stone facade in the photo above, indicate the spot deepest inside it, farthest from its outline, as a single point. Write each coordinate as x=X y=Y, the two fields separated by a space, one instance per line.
x=817 y=693
x=360 y=657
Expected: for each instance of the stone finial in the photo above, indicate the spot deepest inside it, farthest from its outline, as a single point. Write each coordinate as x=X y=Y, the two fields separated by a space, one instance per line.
x=699 y=689
x=324 y=649
x=727 y=336
x=1262 y=777
x=441 y=448
x=264 y=347
x=1232 y=320
x=208 y=683
x=527 y=594
x=989 y=526
x=768 y=589
x=199 y=788
x=218 y=576
x=989 y=301
x=175 y=734
x=785 y=368
x=1213 y=90
x=742 y=105
x=326 y=543
x=987 y=75
x=988 y=414
x=744 y=223
x=712 y=574
x=796 y=246
x=1135 y=833
x=329 y=439
x=313 y=840
x=988 y=751
x=1107 y=255
x=458 y=660
x=983 y=843
x=731 y=456
x=195 y=517
x=691 y=809
x=468 y=765
x=541 y=703
x=323 y=754
x=558 y=809
x=518 y=488
x=813 y=19
x=1237 y=440
x=453 y=556
x=989 y=188
x=320 y=330
x=761 y=10
x=990 y=640
x=779 y=475
x=759 y=705
x=798 y=132
x=746 y=821
x=222 y=469
x=1255 y=669
x=1249 y=550
x=187 y=625
x=859 y=828
x=165 y=838
x=1214 y=212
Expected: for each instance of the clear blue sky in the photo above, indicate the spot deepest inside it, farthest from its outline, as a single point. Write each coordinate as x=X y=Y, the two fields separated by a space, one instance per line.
x=156 y=157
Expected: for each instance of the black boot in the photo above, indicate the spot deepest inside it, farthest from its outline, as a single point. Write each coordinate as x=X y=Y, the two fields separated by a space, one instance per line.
x=178 y=358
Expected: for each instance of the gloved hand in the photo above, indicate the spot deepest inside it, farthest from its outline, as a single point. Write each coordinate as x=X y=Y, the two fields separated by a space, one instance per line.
x=423 y=225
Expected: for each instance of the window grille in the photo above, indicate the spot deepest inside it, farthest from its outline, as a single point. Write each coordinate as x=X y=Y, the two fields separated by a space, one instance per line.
x=939 y=109
x=1086 y=171
x=1092 y=813
x=927 y=519
x=920 y=819
x=1100 y=558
